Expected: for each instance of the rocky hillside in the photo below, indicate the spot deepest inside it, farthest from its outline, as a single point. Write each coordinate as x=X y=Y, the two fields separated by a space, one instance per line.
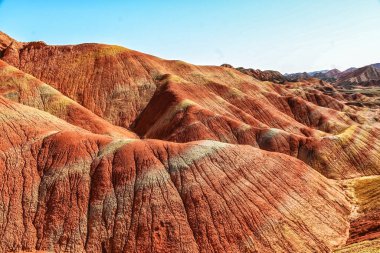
x=106 y=149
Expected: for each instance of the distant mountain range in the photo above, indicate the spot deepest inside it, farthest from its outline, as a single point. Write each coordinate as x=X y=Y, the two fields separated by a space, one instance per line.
x=263 y=75
x=366 y=76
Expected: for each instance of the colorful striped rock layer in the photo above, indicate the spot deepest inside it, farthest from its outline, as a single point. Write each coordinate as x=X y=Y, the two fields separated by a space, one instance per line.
x=105 y=149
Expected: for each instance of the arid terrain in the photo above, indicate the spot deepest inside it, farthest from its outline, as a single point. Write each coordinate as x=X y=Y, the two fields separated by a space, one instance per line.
x=106 y=149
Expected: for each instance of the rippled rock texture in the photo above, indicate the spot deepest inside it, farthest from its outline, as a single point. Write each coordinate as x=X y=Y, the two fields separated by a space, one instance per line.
x=105 y=149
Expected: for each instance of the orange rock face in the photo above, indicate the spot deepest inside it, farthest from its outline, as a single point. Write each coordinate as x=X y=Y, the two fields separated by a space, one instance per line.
x=91 y=192
x=23 y=88
x=105 y=149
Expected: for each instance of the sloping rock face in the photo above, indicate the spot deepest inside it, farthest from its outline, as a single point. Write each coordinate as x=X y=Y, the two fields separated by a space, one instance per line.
x=23 y=88
x=5 y=41
x=105 y=149
x=119 y=85
x=365 y=223
x=113 y=82
x=66 y=189
x=333 y=141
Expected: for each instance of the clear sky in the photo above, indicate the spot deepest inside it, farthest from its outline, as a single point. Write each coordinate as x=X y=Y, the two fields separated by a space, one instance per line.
x=285 y=35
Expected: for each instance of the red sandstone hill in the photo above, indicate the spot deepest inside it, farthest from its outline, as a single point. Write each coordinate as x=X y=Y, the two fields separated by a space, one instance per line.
x=224 y=163
x=91 y=192
x=24 y=88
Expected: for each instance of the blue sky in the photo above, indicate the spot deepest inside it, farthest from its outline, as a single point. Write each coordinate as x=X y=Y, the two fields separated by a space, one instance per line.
x=285 y=35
